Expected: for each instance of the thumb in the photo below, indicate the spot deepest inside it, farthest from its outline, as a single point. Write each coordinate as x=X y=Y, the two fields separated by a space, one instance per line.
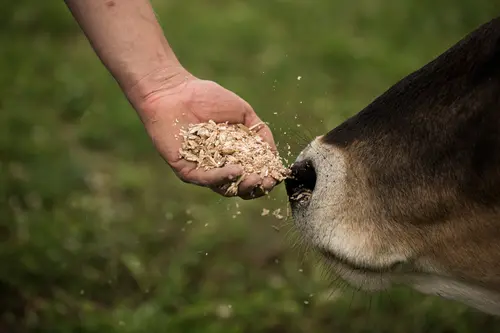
x=253 y=120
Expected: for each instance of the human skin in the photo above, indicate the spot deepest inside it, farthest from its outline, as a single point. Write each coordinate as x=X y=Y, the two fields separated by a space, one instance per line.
x=126 y=36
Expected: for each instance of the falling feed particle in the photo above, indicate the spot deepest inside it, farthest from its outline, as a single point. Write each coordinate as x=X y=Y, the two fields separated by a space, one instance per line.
x=277 y=214
x=265 y=212
x=299 y=78
x=224 y=311
x=212 y=145
x=302 y=196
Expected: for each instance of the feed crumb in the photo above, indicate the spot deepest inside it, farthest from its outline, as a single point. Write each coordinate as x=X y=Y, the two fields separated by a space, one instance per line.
x=212 y=145
x=224 y=311
x=265 y=212
x=302 y=196
x=276 y=214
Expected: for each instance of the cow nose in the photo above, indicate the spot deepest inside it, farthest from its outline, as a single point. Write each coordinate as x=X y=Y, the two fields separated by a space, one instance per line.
x=301 y=183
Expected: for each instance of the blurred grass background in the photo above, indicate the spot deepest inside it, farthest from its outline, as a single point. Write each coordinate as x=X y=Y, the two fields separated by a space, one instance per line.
x=96 y=233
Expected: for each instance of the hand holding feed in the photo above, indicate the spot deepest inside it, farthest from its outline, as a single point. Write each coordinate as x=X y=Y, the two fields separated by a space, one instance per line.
x=129 y=41
x=189 y=100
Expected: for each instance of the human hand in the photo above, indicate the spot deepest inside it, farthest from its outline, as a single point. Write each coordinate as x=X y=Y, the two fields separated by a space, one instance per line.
x=184 y=99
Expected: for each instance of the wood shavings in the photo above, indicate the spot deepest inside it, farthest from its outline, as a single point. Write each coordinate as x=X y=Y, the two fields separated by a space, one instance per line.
x=302 y=196
x=265 y=212
x=212 y=145
x=276 y=214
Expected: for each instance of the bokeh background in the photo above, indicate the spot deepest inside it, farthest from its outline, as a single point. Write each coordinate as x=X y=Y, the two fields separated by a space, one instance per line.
x=97 y=234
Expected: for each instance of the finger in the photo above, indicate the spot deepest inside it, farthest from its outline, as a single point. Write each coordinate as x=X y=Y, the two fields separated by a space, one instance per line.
x=266 y=134
x=212 y=178
x=260 y=190
x=257 y=192
x=248 y=185
x=251 y=119
x=268 y=184
x=225 y=190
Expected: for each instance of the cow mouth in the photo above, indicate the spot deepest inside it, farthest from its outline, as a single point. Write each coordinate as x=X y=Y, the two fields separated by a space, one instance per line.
x=331 y=256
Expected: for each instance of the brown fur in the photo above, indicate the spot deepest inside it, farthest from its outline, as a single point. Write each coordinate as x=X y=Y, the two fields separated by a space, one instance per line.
x=421 y=171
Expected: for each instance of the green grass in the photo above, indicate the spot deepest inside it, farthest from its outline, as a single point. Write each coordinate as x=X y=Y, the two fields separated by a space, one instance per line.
x=97 y=234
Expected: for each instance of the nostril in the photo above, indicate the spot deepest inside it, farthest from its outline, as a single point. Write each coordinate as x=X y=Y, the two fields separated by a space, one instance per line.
x=302 y=180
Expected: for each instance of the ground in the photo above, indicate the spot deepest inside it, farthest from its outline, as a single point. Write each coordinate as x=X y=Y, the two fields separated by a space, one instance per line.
x=98 y=235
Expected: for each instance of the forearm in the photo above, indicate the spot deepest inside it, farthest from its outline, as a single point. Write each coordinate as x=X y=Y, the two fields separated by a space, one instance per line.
x=128 y=39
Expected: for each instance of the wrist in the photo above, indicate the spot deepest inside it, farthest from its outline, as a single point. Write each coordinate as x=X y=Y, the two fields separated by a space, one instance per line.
x=162 y=80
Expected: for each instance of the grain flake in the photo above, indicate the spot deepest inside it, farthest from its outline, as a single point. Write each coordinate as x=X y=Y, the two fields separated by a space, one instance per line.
x=277 y=214
x=212 y=145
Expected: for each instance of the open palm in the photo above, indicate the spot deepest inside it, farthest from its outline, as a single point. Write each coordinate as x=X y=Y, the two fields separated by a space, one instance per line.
x=195 y=101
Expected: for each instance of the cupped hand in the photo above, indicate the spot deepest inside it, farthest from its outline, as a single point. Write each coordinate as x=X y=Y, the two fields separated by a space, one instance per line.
x=168 y=108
